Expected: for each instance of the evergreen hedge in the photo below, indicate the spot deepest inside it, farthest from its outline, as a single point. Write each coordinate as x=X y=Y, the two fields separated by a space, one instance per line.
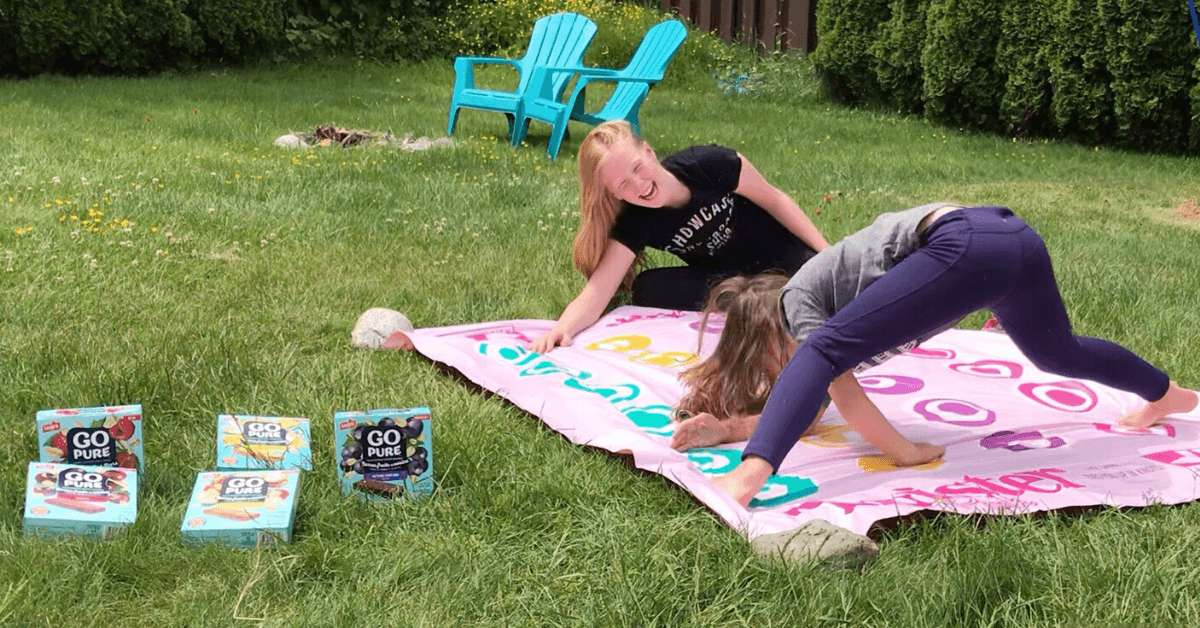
x=1119 y=72
x=137 y=36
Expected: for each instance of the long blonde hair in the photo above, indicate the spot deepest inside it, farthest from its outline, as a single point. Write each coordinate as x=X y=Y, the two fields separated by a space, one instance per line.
x=598 y=208
x=754 y=347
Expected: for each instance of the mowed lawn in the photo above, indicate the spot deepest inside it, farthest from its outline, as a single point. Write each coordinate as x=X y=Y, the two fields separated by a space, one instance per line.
x=157 y=248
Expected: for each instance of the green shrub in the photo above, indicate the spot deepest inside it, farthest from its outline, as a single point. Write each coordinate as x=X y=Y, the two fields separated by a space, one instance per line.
x=502 y=28
x=1021 y=57
x=239 y=27
x=847 y=31
x=1150 y=55
x=380 y=29
x=1194 y=129
x=897 y=54
x=129 y=36
x=1119 y=72
x=960 y=83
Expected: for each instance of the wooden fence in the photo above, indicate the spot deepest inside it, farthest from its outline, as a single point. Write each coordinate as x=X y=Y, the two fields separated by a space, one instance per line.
x=791 y=23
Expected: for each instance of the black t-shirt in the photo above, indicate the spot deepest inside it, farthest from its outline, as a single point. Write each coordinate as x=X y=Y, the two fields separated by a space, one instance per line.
x=717 y=229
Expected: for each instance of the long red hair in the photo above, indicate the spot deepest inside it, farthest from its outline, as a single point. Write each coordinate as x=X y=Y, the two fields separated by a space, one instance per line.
x=598 y=208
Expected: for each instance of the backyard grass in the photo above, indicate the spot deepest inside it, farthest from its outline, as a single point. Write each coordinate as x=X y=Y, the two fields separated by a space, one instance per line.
x=157 y=248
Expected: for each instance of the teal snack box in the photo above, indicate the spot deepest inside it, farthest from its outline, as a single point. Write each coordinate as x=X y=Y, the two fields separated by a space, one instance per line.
x=383 y=454
x=104 y=436
x=242 y=508
x=75 y=500
x=263 y=442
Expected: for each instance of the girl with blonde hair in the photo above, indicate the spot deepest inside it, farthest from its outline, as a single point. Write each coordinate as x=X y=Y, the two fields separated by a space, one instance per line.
x=878 y=293
x=707 y=205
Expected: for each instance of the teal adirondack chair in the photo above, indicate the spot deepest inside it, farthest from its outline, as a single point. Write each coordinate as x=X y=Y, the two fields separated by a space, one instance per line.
x=557 y=40
x=645 y=68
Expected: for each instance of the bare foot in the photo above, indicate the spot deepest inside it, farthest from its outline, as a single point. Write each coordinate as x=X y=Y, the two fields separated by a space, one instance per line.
x=1176 y=400
x=920 y=453
x=702 y=430
x=746 y=480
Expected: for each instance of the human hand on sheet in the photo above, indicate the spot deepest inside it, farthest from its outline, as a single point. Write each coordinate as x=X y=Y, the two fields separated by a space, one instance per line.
x=549 y=340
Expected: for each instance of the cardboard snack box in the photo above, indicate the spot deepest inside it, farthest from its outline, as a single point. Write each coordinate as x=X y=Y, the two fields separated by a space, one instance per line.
x=75 y=500
x=385 y=454
x=106 y=436
x=262 y=442
x=241 y=508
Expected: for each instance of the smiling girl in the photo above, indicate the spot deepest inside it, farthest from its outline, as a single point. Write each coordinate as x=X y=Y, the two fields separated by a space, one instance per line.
x=706 y=205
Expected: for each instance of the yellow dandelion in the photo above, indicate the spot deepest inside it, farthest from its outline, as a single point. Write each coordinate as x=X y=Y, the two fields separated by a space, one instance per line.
x=153 y=229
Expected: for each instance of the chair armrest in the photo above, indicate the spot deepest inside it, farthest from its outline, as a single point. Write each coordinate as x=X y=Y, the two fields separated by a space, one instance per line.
x=541 y=77
x=464 y=69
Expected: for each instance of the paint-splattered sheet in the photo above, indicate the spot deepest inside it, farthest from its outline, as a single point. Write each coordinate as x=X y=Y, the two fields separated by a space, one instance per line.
x=1018 y=439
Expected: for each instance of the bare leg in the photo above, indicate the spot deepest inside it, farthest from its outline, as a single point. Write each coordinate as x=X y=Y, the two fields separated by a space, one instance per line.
x=1176 y=400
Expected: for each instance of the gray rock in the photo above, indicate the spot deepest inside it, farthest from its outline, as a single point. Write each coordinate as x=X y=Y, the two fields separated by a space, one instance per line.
x=375 y=325
x=291 y=140
x=821 y=542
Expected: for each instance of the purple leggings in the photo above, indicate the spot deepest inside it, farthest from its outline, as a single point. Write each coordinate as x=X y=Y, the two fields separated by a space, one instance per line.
x=970 y=259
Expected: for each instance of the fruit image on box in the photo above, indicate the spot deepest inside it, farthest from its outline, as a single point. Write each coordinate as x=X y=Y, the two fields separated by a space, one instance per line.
x=105 y=436
x=258 y=442
x=241 y=508
x=383 y=454
x=72 y=500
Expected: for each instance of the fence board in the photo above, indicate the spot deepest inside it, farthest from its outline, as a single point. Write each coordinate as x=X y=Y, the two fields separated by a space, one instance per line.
x=761 y=23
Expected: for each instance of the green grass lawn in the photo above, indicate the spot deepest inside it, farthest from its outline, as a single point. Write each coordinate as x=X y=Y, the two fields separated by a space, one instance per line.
x=158 y=248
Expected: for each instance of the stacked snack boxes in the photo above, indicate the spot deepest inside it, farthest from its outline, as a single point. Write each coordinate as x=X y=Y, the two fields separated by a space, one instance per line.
x=242 y=508
x=109 y=436
x=260 y=442
x=75 y=500
x=383 y=454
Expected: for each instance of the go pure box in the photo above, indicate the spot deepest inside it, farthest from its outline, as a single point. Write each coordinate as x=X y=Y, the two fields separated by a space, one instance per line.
x=383 y=454
x=72 y=500
x=242 y=508
x=107 y=436
x=263 y=442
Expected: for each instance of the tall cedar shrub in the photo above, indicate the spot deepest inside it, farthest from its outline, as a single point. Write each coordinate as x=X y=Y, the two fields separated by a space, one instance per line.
x=897 y=54
x=1193 y=137
x=961 y=84
x=1080 y=80
x=1021 y=57
x=1151 y=108
x=848 y=29
x=1117 y=72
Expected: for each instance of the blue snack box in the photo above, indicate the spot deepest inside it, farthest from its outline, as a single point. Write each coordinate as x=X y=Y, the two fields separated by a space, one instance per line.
x=262 y=442
x=106 y=436
x=241 y=508
x=74 y=500
x=383 y=454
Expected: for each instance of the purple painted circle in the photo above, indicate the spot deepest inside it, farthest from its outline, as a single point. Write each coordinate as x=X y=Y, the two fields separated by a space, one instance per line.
x=957 y=408
x=891 y=384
